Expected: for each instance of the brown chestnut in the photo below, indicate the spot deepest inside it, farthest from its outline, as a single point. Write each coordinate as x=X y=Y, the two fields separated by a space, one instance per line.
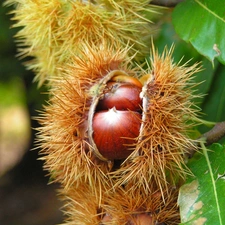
x=115 y=131
x=142 y=219
x=123 y=96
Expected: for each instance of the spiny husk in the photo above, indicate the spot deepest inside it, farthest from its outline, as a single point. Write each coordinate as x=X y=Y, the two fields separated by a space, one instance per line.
x=168 y=110
x=82 y=205
x=119 y=207
x=63 y=137
x=158 y=156
x=53 y=30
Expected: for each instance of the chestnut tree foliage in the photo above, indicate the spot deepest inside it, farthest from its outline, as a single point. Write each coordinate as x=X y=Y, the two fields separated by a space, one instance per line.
x=197 y=27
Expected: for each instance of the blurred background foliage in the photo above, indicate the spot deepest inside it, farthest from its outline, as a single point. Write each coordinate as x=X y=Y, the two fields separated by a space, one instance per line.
x=23 y=189
x=24 y=195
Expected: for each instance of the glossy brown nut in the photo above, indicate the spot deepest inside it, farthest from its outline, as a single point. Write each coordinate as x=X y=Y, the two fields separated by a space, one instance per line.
x=114 y=132
x=122 y=96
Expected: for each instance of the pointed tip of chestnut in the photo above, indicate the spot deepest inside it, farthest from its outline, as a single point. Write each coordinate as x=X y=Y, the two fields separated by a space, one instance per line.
x=114 y=132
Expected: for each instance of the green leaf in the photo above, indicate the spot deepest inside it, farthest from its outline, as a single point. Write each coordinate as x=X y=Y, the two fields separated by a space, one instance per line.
x=214 y=103
x=166 y=37
x=202 y=198
x=202 y=23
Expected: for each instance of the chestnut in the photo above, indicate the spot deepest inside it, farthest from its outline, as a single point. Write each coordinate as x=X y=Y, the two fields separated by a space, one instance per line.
x=115 y=116
x=114 y=132
x=137 y=219
x=123 y=96
x=143 y=219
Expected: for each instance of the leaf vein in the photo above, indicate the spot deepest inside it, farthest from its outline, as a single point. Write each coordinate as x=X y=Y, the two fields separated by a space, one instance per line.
x=213 y=181
x=210 y=11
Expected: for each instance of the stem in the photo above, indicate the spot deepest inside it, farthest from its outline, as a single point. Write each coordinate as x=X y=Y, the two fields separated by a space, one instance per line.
x=215 y=134
x=212 y=136
x=166 y=3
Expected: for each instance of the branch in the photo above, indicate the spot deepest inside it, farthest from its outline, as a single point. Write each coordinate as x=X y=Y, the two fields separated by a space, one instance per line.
x=215 y=134
x=166 y=3
x=210 y=137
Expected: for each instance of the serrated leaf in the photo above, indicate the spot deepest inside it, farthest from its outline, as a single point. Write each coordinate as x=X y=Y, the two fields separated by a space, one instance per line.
x=202 y=23
x=202 y=198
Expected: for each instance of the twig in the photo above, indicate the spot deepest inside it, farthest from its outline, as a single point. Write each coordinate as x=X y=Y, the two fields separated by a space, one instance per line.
x=215 y=134
x=166 y=3
x=212 y=136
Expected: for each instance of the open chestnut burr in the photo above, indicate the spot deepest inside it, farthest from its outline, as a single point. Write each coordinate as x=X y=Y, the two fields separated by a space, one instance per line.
x=115 y=116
